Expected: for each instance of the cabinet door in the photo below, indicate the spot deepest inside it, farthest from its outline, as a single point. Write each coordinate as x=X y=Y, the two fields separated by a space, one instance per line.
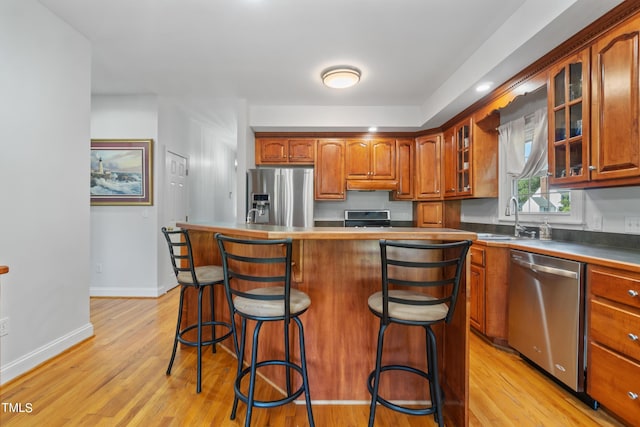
x=463 y=161
x=615 y=98
x=476 y=298
x=428 y=167
x=568 y=104
x=301 y=151
x=429 y=215
x=272 y=150
x=383 y=159
x=405 y=168
x=357 y=159
x=329 y=171
x=450 y=169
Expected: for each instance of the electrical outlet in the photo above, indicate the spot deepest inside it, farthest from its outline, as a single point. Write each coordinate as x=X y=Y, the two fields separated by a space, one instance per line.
x=595 y=223
x=4 y=326
x=632 y=224
x=98 y=268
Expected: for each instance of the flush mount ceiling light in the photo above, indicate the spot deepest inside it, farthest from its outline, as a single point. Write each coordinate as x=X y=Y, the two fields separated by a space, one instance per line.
x=483 y=87
x=340 y=77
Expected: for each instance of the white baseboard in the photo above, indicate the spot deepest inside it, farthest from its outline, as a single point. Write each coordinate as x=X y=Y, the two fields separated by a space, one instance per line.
x=125 y=292
x=40 y=355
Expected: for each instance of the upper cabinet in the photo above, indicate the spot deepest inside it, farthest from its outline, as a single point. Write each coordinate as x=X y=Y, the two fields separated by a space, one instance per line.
x=370 y=164
x=568 y=104
x=471 y=158
x=428 y=177
x=278 y=151
x=615 y=111
x=594 y=112
x=457 y=160
x=405 y=169
x=329 y=180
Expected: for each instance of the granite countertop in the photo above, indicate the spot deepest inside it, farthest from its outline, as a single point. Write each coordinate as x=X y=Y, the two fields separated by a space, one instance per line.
x=628 y=259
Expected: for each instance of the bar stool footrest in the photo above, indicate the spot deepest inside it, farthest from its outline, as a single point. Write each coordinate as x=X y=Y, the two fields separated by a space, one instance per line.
x=403 y=409
x=204 y=343
x=269 y=403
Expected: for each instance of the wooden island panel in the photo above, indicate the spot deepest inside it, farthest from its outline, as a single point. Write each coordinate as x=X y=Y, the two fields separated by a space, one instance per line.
x=340 y=331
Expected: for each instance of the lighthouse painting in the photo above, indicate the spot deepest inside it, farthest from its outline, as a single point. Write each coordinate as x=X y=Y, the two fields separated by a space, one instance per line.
x=121 y=172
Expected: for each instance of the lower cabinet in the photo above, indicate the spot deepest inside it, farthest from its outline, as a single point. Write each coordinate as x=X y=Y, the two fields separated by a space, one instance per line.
x=613 y=352
x=489 y=291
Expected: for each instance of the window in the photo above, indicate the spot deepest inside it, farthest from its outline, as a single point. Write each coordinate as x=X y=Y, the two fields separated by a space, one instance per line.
x=523 y=167
x=533 y=192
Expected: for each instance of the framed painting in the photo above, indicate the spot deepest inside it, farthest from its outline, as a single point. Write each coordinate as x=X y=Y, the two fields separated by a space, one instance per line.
x=121 y=172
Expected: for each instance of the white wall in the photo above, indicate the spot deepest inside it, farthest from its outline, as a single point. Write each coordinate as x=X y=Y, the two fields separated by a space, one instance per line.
x=44 y=196
x=124 y=239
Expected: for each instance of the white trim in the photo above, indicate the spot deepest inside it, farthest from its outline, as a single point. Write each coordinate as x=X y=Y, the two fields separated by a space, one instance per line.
x=42 y=354
x=125 y=292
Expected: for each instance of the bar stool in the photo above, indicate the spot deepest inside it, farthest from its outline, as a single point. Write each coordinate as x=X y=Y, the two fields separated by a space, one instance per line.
x=420 y=283
x=199 y=278
x=257 y=278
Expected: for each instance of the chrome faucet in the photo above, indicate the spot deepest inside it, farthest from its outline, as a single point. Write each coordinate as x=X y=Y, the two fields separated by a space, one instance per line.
x=517 y=227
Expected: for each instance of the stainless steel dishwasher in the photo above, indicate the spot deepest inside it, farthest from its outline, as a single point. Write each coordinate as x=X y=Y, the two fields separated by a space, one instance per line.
x=546 y=315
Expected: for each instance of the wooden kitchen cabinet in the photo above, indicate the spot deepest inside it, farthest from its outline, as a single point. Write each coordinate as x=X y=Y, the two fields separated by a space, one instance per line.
x=370 y=164
x=489 y=289
x=437 y=214
x=405 y=169
x=477 y=288
x=615 y=110
x=458 y=160
x=568 y=119
x=428 y=177
x=329 y=180
x=277 y=151
x=613 y=335
x=471 y=158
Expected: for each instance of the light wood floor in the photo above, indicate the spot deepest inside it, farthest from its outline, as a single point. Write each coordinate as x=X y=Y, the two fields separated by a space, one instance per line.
x=117 y=378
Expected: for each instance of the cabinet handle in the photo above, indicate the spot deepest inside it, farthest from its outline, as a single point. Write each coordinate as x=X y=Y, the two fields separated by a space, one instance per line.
x=592 y=168
x=632 y=395
x=632 y=337
x=632 y=293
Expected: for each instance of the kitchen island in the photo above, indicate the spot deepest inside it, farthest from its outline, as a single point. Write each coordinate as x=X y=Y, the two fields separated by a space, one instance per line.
x=339 y=268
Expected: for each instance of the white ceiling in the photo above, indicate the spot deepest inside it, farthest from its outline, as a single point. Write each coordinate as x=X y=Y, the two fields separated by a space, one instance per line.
x=420 y=59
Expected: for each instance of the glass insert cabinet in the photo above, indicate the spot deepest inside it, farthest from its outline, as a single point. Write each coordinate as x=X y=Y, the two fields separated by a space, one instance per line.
x=568 y=105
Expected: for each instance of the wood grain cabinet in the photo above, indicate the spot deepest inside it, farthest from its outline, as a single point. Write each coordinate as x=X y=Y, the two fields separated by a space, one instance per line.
x=489 y=291
x=477 y=288
x=615 y=110
x=613 y=354
x=278 y=151
x=471 y=158
x=405 y=169
x=370 y=164
x=329 y=179
x=568 y=114
x=428 y=176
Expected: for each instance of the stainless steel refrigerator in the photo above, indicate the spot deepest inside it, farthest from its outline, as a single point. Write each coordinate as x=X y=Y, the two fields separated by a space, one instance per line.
x=280 y=196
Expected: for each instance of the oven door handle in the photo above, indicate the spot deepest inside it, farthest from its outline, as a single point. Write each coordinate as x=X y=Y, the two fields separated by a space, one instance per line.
x=545 y=269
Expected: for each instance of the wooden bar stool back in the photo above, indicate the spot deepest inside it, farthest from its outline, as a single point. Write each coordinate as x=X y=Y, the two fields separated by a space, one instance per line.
x=420 y=285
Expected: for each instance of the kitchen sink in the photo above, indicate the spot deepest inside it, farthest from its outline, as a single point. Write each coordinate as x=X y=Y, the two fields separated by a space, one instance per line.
x=491 y=236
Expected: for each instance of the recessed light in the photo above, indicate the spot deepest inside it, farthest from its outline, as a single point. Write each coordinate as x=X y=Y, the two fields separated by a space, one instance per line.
x=340 y=77
x=483 y=87
x=373 y=129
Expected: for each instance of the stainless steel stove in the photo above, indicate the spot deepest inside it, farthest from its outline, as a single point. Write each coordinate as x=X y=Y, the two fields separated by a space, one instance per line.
x=367 y=218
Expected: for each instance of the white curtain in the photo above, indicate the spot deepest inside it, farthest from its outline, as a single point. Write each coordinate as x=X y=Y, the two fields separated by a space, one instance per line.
x=512 y=138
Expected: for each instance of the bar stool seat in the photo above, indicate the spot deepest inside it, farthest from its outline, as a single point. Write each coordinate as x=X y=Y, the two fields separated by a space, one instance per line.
x=420 y=284
x=198 y=278
x=271 y=308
